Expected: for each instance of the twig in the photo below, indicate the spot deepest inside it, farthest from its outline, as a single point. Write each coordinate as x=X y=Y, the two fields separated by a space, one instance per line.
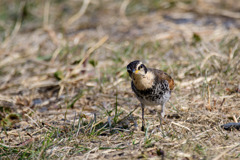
x=6 y=99
x=18 y=24
x=90 y=51
x=179 y=125
x=195 y=82
x=209 y=101
x=52 y=34
x=69 y=148
x=235 y=119
x=46 y=13
x=55 y=54
x=42 y=150
x=209 y=56
x=128 y=114
x=80 y=13
x=222 y=102
x=223 y=153
x=87 y=154
x=122 y=10
x=75 y=70
x=79 y=124
x=32 y=120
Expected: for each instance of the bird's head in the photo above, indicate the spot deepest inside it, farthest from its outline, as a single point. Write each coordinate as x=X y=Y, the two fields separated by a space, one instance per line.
x=136 y=68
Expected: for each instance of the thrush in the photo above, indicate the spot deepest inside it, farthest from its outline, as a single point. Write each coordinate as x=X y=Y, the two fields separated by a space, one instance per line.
x=152 y=87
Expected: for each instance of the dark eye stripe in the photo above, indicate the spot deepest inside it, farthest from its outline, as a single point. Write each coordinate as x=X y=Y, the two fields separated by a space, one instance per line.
x=141 y=66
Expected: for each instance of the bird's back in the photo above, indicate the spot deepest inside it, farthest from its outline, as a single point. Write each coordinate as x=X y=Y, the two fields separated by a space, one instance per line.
x=160 y=76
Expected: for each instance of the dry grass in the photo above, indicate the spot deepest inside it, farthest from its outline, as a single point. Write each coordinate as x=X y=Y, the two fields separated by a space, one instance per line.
x=65 y=92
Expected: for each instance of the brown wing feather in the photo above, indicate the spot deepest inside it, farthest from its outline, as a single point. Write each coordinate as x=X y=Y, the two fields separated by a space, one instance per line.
x=160 y=75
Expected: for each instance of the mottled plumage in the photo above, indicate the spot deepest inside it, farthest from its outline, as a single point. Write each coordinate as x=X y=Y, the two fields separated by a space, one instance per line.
x=152 y=87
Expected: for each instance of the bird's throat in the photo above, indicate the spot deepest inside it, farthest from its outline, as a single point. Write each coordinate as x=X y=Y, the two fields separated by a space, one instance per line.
x=143 y=82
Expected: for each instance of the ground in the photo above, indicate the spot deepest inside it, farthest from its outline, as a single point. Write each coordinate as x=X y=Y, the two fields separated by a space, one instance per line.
x=65 y=92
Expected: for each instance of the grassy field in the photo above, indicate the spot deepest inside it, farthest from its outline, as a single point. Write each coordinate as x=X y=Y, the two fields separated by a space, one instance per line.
x=65 y=92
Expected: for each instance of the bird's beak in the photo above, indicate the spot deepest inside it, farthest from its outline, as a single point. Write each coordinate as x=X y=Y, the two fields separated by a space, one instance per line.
x=135 y=71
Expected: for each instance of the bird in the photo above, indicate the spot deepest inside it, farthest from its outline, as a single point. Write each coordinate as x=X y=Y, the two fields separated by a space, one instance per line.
x=152 y=87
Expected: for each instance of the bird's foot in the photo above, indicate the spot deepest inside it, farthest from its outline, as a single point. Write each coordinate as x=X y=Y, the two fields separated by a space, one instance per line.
x=163 y=120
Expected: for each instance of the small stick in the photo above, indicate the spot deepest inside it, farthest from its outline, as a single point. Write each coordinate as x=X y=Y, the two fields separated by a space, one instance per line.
x=222 y=101
x=90 y=51
x=79 y=124
x=209 y=101
x=179 y=125
x=235 y=119
x=46 y=14
x=80 y=13
x=223 y=153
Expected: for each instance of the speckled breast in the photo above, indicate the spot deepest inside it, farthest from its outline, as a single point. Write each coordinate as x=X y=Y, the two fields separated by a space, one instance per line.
x=156 y=95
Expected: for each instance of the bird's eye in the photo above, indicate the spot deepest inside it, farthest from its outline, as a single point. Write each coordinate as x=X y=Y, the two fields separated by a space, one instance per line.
x=140 y=67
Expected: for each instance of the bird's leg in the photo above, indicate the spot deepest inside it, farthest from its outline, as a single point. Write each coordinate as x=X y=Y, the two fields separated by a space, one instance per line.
x=163 y=110
x=162 y=113
x=143 y=121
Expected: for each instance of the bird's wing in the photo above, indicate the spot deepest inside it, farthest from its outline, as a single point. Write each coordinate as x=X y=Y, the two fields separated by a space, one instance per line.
x=160 y=75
